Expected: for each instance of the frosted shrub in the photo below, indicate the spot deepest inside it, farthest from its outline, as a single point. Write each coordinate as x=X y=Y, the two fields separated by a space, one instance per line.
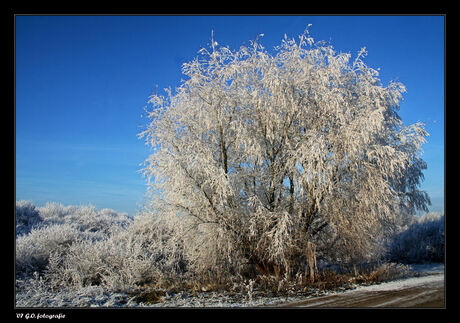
x=423 y=241
x=34 y=249
x=159 y=240
x=255 y=155
x=90 y=219
x=74 y=248
x=115 y=263
x=50 y=232
x=129 y=257
x=126 y=261
x=85 y=217
x=27 y=217
x=54 y=212
x=78 y=267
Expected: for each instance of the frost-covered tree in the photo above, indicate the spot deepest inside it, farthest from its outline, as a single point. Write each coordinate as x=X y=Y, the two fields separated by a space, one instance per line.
x=256 y=154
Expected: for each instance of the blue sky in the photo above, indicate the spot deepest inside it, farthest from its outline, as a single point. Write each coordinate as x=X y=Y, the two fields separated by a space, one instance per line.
x=82 y=83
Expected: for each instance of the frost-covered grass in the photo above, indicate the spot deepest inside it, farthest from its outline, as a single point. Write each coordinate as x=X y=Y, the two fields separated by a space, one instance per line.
x=35 y=293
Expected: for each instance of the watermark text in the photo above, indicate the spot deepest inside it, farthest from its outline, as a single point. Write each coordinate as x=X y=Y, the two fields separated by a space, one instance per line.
x=40 y=316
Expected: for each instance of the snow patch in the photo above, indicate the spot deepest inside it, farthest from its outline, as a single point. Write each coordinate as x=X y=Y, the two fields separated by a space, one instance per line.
x=402 y=283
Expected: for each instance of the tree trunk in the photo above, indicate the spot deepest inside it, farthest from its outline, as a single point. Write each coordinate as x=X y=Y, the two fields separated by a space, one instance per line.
x=311 y=260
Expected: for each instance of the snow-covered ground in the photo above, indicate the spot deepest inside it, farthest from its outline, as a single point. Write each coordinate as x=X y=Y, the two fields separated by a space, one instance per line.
x=403 y=283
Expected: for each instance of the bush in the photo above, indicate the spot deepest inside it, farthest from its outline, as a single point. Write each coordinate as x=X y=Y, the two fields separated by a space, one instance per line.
x=84 y=217
x=117 y=262
x=53 y=230
x=128 y=258
x=27 y=217
x=422 y=242
x=34 y=249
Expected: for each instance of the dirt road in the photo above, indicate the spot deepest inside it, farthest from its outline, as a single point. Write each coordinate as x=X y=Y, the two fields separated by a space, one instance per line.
x=427 y=291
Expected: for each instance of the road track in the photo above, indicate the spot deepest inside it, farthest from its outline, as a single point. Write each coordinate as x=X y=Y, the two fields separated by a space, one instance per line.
x=427 y=291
